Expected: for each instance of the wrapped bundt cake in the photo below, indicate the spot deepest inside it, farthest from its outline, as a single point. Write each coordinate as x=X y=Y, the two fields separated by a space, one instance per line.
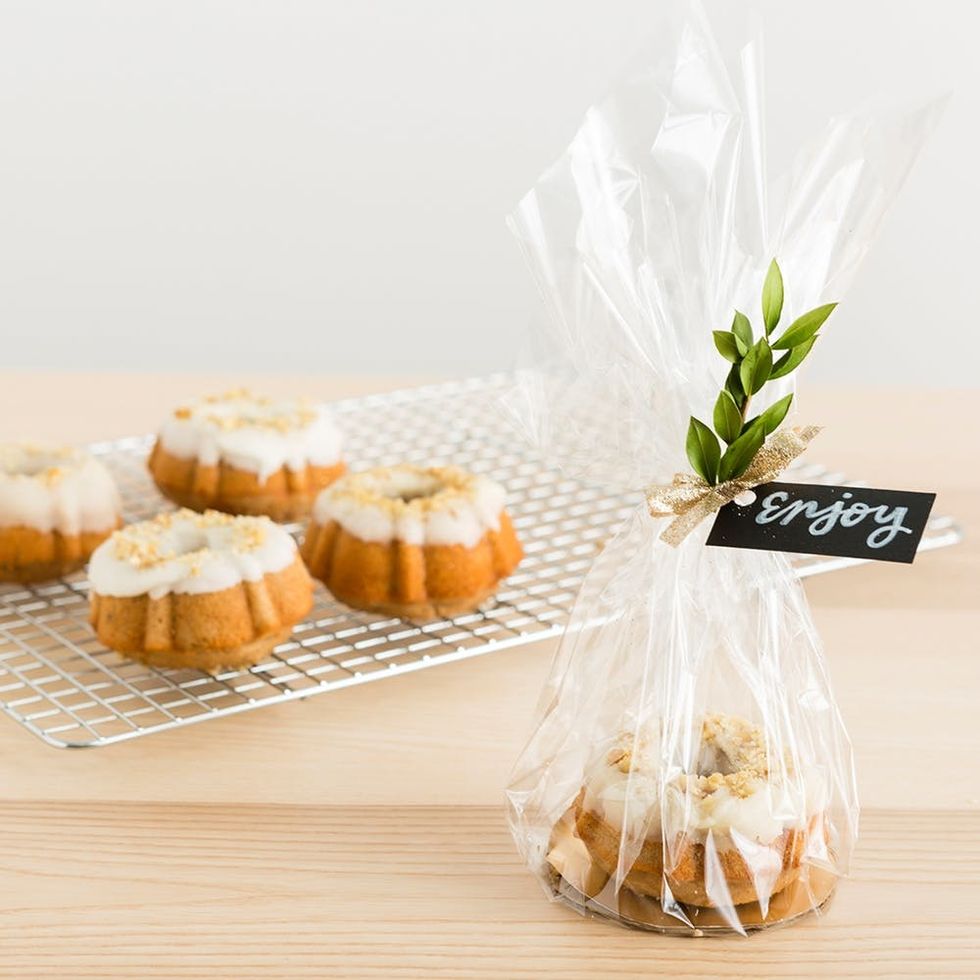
x=688 y=769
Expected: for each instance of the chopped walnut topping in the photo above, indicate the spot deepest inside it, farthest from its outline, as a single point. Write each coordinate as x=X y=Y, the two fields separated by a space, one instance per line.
x=736 y=740
x=145 y=545
x=741 y=741
x=620 y=757
x=240 y=409
x=427 y=489
x=32 y=461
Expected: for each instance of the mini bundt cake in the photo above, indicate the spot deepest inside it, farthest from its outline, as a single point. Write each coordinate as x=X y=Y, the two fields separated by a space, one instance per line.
x=198 y=590
x=57 y=504
x=737 y=828
x=247 y=455
x=412 y=542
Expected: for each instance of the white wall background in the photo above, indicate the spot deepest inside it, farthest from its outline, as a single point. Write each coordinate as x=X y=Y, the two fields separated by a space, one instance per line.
x=248 y=184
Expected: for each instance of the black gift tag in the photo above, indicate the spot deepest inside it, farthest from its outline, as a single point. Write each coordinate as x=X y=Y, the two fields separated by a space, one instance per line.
x=851 y=522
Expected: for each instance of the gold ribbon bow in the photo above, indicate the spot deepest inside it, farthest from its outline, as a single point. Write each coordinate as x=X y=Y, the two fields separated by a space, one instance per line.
x=689 y=499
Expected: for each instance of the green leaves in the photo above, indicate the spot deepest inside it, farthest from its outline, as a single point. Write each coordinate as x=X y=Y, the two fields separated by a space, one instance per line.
x=727 y=347
x=773 y=416
x=803 y=328
x=740 y=453
x=742 y=330
x=772 y=297
x=733 y=385
x=734 y=344
x=703 y=450
x=727 y=417
x=756 y=367
x=791 y=360
x=752 y=367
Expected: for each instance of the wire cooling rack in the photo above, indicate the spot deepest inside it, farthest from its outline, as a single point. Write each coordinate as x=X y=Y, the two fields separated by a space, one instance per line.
x=60 y=683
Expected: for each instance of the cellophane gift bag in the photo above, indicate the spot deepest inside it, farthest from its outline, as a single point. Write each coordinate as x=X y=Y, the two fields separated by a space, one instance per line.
x=688 y=769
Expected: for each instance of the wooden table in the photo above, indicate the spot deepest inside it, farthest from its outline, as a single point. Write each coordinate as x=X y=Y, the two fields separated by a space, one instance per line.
x=362 y=833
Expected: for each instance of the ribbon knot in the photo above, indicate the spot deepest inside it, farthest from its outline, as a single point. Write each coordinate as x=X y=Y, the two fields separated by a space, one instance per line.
x=689 y=499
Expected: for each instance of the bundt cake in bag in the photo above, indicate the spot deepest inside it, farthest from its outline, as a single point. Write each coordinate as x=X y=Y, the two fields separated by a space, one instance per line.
x=688 y=769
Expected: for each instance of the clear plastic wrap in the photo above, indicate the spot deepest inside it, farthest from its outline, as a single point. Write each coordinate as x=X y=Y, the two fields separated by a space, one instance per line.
x=689 y=768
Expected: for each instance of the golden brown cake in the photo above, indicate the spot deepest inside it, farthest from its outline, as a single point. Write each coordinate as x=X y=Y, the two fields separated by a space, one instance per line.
x=57 y=504
x=247 y=455
x=412 y=542
x=207 y=590
x=734 y=831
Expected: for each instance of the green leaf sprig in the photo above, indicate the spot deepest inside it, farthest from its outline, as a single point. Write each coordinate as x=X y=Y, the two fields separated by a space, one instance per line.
x=753 y=365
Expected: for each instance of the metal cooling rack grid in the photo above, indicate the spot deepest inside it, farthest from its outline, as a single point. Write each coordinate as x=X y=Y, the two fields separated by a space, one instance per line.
x=60 y=683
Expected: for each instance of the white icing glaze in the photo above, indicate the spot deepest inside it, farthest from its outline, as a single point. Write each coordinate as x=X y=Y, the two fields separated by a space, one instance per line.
x=55 y=488
x=253 y=434
x=186 y=552
x=611 y=794
x=438 y=505
x=647 y=801
x=632 y=798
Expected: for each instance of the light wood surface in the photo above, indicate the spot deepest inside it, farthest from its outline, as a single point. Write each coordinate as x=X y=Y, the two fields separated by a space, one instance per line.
x=362 y=833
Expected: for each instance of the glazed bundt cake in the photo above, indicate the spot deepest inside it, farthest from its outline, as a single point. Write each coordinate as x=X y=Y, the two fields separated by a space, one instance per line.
x=736 y=828
x=412 y=542
x=247 y=455
x=57 y=504
x=198 y=590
